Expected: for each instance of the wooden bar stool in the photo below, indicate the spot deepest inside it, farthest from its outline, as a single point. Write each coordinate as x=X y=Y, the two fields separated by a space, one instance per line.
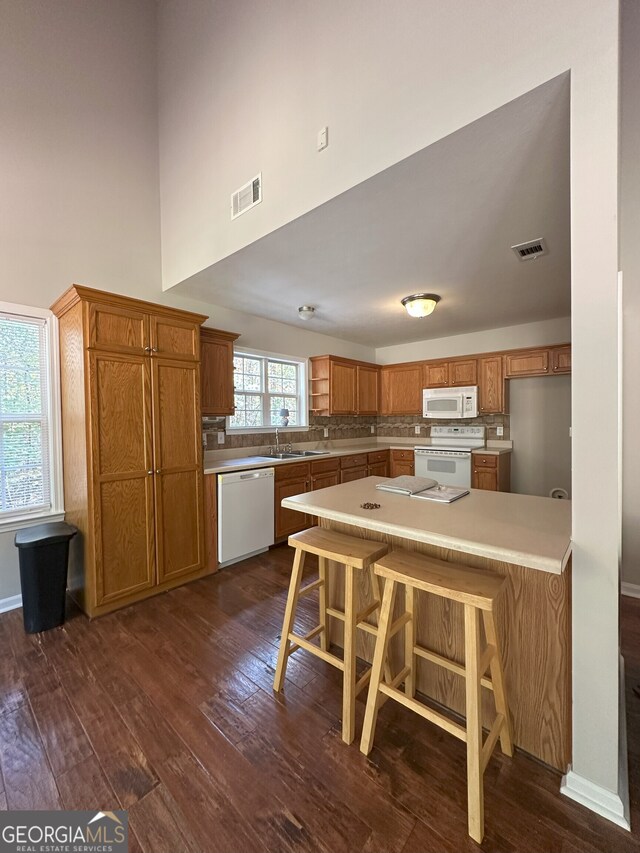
x=477 y=590
x=355 y=555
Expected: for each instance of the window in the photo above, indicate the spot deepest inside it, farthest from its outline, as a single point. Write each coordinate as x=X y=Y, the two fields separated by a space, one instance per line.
x=26 y=430
x=264 y=385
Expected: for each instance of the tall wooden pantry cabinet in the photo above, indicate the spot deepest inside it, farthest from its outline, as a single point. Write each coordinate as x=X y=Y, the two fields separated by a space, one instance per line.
x=130 y=382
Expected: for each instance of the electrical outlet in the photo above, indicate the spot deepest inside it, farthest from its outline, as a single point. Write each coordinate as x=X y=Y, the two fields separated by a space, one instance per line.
x=220 y=437
x=326 y=432
x=416 y=430
x=499 y=431
x=373 y=429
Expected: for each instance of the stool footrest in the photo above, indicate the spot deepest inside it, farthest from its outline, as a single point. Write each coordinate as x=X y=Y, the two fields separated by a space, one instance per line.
x=451 y=665
x=400 y=622
x=362 y=682
x=310 y=587
x=302 y=643
x=337 y=614
x=367 y=612
x=491 y=741
x=428 y=713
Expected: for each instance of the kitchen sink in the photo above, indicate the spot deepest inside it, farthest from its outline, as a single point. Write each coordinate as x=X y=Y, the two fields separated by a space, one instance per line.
x=295 y=454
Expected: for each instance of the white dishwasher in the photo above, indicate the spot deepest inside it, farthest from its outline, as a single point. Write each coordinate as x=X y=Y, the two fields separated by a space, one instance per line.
x=245 y=514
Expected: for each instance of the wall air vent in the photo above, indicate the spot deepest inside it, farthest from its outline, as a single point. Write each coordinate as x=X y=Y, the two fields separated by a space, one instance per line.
x=246 y=197
x=531 y=250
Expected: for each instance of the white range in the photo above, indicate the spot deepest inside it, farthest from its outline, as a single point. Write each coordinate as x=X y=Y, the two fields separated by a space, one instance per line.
x=448 y=458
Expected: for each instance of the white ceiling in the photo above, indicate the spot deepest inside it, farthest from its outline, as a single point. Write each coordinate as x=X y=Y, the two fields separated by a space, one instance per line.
x=442 y=221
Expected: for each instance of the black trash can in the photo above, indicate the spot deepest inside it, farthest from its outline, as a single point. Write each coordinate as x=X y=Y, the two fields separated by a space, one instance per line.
x=44 y=555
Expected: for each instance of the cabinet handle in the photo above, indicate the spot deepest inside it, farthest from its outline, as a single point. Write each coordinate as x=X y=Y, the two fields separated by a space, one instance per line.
x=150 y=471
x=158 y=471
x=147 y=349
x=154 y=349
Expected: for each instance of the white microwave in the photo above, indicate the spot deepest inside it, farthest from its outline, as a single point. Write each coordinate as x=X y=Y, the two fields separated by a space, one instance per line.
x=450 y=402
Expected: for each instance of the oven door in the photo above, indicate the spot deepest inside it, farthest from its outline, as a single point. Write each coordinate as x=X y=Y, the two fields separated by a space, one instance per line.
x=454 y=470
x=450 y=405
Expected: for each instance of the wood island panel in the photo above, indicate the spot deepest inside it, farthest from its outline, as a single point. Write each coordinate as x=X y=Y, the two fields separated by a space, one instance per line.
x=534 y=628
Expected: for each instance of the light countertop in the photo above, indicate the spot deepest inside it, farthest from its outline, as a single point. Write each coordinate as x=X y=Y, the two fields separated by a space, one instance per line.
x=524 y=530
x=242 y=463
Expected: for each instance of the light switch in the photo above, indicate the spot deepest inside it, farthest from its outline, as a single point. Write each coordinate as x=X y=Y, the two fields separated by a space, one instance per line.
x=220 y=436
x=323 y=138
x=326 y=432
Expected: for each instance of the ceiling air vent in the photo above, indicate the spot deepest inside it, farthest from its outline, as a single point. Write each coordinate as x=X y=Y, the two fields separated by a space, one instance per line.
x=246 y=197
x=531 y=250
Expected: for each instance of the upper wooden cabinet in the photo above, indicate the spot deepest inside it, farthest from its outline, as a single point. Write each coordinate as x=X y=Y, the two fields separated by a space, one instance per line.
x=367 y=390
x=491 y=387
x=130 y=380
x=442 y=374
x=533 y=362
x=216 y=371
x=340 y=386
x=561 y=359
x=401 y=388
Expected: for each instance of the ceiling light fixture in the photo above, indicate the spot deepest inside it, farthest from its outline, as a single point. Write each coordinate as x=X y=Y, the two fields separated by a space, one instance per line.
x=420 y=304
x=306 y=312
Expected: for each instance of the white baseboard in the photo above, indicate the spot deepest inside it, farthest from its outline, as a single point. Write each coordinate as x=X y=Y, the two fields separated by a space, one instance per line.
x=630 y=589
x=10 y=603
x=609 y=804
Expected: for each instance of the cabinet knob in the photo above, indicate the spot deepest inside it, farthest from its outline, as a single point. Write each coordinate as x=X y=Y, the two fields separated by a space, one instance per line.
x=150 y=471
x=158 y=471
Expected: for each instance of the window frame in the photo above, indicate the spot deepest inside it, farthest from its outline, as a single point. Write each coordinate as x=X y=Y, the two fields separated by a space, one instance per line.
x=303 y=391
x=14 y=520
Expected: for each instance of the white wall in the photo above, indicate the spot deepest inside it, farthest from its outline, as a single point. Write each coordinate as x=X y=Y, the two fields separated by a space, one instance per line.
x=79 y=194
x=389 y=79
x=630 y=265
x=510 y=337
x=540 y=418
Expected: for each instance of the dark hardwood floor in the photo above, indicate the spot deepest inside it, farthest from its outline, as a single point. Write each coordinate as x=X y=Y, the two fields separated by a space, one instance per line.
x=166 y=709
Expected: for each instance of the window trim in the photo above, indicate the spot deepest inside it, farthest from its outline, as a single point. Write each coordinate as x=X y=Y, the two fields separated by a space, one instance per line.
x=303 y=364
x=14 y=521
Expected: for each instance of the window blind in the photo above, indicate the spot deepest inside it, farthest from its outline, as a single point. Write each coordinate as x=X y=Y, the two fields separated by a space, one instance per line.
x=25 y=480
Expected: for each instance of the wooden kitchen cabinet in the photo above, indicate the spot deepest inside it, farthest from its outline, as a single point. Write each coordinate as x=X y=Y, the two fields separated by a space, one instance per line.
x=561 y=359
x=216 y=369
x=401 y=389
x=368 y=390
x=325 y=473
x=341 y=386
x=402 y=462
x=533 y=362
x=491 y=472
x=491 y=386
x=290 y=480
x=131 y=446
x=378 y=463
x=353 y=467
x=211 y=522
x=442 y=374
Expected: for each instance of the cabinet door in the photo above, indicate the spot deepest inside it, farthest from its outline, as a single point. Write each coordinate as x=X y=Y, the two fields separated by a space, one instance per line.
x=288 y=521
x=401 y=467
x=402 y=390
x=116 y=329
x=532 y=363
x=216 y=369
x=463 y=372
x=368 y=381
x=122 y=462
x=485 y=478
x=343 y=389
x=436 y=374
x=323 y=481
x=379 y=469
x=561 y=360
x=178 y=468
x=211 y=522
x=350 y=474
x=491 y=385
x=175 y=338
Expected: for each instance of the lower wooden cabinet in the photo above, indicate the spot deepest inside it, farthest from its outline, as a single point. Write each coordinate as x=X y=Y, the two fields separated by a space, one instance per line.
x=350 y=474
x=491 y=472
x=211 y=522
x=290 y=480
x=402 y=463
x=378 y=463
x=325 y=473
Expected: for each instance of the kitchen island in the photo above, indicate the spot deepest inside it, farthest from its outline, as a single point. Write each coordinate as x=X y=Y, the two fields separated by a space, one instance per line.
x=525 y=538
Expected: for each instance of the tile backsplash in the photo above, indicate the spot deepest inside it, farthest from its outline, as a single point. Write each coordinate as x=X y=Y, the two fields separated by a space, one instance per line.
x=398 y=426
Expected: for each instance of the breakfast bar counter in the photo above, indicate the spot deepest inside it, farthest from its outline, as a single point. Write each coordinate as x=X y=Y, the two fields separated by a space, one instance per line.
x=524 y=538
